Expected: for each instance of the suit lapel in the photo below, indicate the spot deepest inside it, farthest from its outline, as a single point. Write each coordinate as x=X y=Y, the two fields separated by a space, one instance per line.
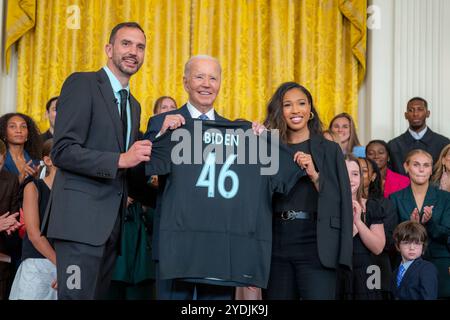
x=218 y=117
x=184 y=111
x=317 y=152
x=407 y=138
x=409 y=272
x=428 y=137
x=109 y=98
x=431 y=199
x=409 y=201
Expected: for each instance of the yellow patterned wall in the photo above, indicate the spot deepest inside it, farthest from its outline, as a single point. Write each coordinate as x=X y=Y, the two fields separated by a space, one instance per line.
x=260 y=43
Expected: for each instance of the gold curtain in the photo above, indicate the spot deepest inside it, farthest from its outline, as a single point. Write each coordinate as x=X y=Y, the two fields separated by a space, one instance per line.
x=260 y=44
x=20 y=17
x=55 y=49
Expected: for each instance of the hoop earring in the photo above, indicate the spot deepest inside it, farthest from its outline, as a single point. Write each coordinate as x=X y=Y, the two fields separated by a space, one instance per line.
x=312 y=116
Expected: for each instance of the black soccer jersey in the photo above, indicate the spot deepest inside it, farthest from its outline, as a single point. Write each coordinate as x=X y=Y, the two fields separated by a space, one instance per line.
x=216 y=211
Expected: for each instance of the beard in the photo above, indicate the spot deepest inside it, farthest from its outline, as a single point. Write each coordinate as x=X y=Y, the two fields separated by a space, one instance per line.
x=129 y=71
x=417 y=127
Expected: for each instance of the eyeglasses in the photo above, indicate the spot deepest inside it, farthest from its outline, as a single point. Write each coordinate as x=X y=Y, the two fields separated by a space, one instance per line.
x=411 y=243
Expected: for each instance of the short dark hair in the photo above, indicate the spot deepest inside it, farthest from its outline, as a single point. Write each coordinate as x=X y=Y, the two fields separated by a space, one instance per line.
x=49 y=102
x=135 y=25
x=410 y=231
x=425 y=103
x=380 y=142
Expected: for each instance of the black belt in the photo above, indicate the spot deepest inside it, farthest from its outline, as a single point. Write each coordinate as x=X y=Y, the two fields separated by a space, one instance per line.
x=291 y=215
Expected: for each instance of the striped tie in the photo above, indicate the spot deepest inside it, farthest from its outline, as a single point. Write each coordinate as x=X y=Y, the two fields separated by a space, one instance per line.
x=203 y=117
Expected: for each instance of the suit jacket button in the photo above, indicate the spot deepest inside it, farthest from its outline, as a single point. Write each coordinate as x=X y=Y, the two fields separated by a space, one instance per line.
x=119 y=194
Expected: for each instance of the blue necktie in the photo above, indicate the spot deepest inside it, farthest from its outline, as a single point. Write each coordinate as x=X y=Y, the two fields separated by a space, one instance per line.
x=400 y=274
x=203 y=117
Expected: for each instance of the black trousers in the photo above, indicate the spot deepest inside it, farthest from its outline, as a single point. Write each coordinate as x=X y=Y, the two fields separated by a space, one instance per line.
x=184 y=290
x=296 y=271
x=84 y=271
x=6 y=279
x=163 y=287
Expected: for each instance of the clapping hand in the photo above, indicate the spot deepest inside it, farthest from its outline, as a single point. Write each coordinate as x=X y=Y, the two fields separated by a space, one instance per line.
x=427 y=213
x=28 y=169
x=130 y=201
x=415 y=215
x=9 y=223
x=357 y=210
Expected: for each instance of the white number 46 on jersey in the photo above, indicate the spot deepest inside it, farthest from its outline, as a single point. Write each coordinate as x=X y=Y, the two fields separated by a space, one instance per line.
x=207 y=177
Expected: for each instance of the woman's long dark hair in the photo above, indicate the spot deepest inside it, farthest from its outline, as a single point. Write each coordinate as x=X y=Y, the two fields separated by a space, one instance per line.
x=33 y=145
x=275 y=119
x=375 y=190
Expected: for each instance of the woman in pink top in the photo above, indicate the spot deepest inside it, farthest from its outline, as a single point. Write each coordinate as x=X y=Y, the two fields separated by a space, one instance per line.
x=378 y=151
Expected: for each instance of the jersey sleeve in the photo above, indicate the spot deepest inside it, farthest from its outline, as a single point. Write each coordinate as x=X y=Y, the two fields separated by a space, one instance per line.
x=160 y=161
x=288 y=170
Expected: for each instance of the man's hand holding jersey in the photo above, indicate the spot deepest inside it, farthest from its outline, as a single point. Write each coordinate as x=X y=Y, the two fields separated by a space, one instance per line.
x=172 y=121
x=139 y=152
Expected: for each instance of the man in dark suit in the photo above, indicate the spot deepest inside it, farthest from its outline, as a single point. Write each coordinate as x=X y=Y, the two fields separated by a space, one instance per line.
x=418 y=136
x=94 y=143
x=202 y=78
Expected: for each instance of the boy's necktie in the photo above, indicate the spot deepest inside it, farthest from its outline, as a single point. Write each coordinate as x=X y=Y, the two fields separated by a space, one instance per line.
x=400 y=274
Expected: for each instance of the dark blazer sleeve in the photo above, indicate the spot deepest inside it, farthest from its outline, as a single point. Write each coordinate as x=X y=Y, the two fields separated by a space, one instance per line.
x=346 y=248
x=72 y=126
x=138 y=187
x=428 y=281
x=396 y=155
x=14 y=204
x=390 y=222
x=439 y=231
x=154 y=125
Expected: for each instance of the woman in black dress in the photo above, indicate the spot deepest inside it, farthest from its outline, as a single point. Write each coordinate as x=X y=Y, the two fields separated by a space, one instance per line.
x=368 y=238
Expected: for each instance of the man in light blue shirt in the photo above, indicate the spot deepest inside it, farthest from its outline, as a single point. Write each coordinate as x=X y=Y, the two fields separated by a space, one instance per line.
x=95 y=142
x=418 y=136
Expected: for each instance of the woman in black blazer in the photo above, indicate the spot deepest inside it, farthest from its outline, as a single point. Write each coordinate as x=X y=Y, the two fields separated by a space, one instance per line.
x=312 y=226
